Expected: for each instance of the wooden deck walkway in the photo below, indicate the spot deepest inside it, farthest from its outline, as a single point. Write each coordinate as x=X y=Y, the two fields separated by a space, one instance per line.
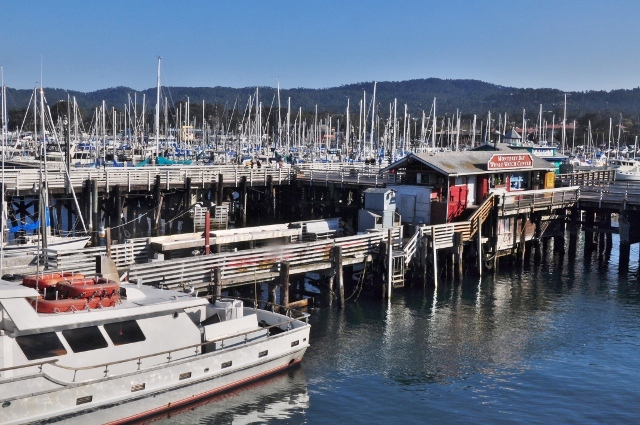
x=23 y=181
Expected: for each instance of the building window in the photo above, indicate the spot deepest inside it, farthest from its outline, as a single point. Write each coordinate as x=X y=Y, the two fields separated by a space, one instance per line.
x=517 y=181
x=40 y=346
x=85 y=339
x=124 y=332
x=496 y=180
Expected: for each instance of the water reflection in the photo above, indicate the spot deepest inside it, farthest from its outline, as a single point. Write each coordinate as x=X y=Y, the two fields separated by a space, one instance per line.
x=555 y=338
x=283 y=397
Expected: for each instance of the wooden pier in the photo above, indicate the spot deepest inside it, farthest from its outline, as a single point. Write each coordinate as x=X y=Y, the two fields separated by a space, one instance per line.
x=506 y=224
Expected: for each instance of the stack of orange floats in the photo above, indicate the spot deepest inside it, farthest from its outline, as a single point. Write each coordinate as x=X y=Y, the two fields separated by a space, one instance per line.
x=49 y=280
x=74 y=292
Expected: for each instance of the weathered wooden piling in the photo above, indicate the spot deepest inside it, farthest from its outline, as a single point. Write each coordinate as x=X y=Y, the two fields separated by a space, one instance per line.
x=338 y=273
x=285 y=268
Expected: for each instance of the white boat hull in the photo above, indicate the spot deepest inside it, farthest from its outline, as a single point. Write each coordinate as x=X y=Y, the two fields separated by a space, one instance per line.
x=53 y=242
x=113 y=400
x=627 y=175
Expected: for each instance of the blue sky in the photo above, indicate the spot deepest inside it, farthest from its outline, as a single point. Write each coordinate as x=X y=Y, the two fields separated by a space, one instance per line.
x=88 y=45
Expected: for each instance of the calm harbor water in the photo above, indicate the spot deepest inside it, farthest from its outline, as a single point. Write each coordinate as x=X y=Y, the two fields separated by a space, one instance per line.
x=554 y=342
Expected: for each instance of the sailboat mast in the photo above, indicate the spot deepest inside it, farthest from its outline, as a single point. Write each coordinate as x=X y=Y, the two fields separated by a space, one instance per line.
x=473 y=137
x=564 y=124
x=392 y=154
x=347 y=130
x=158 y=111
x=373 y=111
x=44 y=201
x=433 y=133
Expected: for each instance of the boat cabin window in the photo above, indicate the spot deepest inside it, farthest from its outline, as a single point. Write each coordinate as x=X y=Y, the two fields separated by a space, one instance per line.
x=40 y=346
x=85 y=339
x=124 y=332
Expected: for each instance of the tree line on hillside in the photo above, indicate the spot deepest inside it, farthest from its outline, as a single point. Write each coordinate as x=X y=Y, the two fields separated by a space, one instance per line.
x=225 y=109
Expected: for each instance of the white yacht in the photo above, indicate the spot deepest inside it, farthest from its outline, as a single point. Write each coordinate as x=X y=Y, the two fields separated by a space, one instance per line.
x=90 y=350
x=626 y=169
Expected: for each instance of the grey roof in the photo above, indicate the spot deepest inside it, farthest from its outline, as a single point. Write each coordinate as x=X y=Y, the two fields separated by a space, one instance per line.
x=493 y=147
x=378 y=190
x=464 y=163
x=512 y=134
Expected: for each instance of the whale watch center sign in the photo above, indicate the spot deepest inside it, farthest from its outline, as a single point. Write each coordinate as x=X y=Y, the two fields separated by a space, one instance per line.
x=510 y=161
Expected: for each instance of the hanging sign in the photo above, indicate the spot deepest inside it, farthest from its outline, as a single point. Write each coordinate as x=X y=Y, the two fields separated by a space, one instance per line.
x=510 y=161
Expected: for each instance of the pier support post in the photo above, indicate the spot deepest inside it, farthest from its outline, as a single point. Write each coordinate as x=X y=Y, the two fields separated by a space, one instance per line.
x=216 y=276
x=117 y=200
x=271 y=211
x=537 y=253
x=338 y=273
x=496 y=227
x=390 y=263
x=479 y=249
x=380 y=268
x=609 y=235
x=272 y=295
x=625 y=241
x=219 y=192
x=207 y=232
x=458 y=252
x=187 y=202
x=588 y=233
x=95 y=213
x=243 y=201
x=573 y=232
x=284 y=283
x=422 y=252
x=523 y=238
x=434 y=252
x=157 y=206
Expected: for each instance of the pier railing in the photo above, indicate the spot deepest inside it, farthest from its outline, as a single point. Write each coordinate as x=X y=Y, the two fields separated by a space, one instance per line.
x=27 y=180
x=344 y=174
x=533 y=200
x=449 y=234
x=586 y=178
x=258 y=264
x=124 y=255
x=615 y=196
x=144 y=178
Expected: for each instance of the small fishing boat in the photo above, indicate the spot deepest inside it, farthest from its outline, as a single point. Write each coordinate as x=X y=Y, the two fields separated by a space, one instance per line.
x=91 y=350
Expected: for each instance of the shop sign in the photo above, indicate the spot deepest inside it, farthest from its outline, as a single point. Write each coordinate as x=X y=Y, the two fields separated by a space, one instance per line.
x=510 y=161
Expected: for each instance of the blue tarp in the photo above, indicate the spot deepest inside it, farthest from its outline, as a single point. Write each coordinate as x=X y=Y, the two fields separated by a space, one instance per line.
x=31 y=226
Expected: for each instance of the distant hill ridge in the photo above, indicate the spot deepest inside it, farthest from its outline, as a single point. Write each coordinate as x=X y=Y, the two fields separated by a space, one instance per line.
x=469 y=96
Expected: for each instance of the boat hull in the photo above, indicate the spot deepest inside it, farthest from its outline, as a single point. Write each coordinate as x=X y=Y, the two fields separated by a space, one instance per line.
x=627 y=176
x=113 y=399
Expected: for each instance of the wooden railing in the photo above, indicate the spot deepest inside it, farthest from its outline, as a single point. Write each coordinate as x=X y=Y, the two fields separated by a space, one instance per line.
x=170 y=177
x=344 y=174
x=618 y=194
x=481 y=214
x=531 y=200
x=257 y=264
x=21 y=180
x=587 y=178
x=124 y=255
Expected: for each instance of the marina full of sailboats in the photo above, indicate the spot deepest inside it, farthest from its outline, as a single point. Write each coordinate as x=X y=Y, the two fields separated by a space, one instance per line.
x=22 y=244
x=273 y=131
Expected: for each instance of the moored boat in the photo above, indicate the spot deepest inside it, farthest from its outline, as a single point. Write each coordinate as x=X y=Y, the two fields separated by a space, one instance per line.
x=118 y=352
